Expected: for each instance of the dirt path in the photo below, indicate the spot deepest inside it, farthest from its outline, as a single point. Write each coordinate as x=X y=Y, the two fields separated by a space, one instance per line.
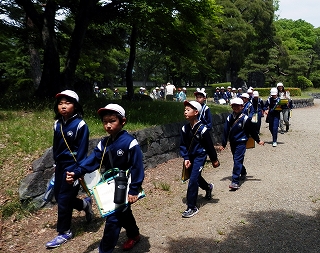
x=276 y=209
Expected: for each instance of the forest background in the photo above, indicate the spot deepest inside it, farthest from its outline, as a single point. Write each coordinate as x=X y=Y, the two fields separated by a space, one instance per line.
x=50 y=45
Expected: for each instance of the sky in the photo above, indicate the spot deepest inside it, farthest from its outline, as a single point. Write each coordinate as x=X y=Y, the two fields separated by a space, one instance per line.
x=307 y=10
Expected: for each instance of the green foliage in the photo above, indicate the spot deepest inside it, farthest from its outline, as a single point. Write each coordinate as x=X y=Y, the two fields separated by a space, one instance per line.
x=303 y=83
x=315 y=78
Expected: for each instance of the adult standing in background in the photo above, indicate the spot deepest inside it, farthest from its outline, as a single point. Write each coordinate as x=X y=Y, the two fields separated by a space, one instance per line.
x=284 y=115
x=170 y=89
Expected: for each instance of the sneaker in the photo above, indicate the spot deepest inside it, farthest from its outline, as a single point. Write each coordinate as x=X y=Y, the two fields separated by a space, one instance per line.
x=129 y=244
x=60 y=239
x=88 y=209
x=234 y=186
x=209 y=192
x=274 y=144
x=190 y=212
x=282 y=132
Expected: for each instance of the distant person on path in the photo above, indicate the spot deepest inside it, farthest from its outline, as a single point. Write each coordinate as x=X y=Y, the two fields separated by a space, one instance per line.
x=258 y=105
x=162 y=93
x=247 y=105
x=273 y=111
x=125 y=153
x=183 y=95
x=170 y=89
x=70 y=147
x=195 y=145
x=284 y=115
x=237 y=129
x=204 y=115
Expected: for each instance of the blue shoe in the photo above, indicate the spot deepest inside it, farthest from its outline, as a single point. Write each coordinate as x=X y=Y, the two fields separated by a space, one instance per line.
x=60 y=239
x=190 y=212
x=88 y=209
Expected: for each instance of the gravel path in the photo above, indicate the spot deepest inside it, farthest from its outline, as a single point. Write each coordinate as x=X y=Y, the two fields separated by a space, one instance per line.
x=275 y=210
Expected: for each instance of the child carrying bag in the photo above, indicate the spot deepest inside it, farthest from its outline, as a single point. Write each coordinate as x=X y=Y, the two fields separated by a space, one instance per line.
x=104 y=192
x=185 y=175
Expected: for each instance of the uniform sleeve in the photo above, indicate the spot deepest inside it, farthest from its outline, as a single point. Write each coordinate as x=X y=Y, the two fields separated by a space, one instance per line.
x=82 y=142
x=208 y=118
x=207 y=143
x=226 y=129
x=250 y=129
x=137 y=169
x=91 y=163
x=183 y=146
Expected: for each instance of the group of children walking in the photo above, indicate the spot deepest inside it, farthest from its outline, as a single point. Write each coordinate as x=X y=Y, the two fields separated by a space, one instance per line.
x=70 y=147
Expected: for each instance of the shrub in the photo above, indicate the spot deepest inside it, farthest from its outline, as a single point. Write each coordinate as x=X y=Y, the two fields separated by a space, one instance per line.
x=303 y=83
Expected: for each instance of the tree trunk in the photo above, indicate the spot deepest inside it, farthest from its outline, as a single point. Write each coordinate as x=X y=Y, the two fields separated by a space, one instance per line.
x=83 y=19
x=35 y=62
x=132 y=56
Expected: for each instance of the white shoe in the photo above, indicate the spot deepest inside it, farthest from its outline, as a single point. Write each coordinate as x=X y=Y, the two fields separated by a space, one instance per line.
x=274 y=144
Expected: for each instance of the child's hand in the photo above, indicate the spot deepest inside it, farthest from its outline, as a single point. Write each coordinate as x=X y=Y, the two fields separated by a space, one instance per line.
x=187 y=163
x=216 y=164
x=69 y=177
x=261 y=143
x=221 y=148
x=132 y=198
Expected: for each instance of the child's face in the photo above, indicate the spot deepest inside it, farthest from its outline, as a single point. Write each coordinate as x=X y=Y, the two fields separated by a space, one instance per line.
x=112 y=125
x=200 y=98
x=237 y=108
x=190 y=113
x=66 y=108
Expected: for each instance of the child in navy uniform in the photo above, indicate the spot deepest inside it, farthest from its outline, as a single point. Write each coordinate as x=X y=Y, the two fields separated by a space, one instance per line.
x=237 y=128
x=273 y=114
x=205 y=115
x=70 y=147
x=195 y=144
x=125 y=154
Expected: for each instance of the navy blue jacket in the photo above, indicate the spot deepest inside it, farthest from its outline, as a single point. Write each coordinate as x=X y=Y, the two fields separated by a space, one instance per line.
x=76 y=133
x=126 y=154
x=240 y=131
x=201 y=142
x=205 y=116
x=248 y=109
x=270 y=105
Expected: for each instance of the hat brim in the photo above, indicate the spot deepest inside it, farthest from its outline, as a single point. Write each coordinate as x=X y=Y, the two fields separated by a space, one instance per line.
x=102 y=111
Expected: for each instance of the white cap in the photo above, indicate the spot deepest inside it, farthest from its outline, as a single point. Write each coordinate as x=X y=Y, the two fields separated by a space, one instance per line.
x=157 y=88
x=222 y=88
x=240 y=88
x=113 y=107
x=256 y=93
x=68 y=93
x=200 y=91
x=184 y=88
x=194 y=104
x=249 y=91
x=161 y=87
x=274 y=91
x=229 y=87
x=236 y=101
x=279 y=84
x=244 y=95
x=234 y=89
